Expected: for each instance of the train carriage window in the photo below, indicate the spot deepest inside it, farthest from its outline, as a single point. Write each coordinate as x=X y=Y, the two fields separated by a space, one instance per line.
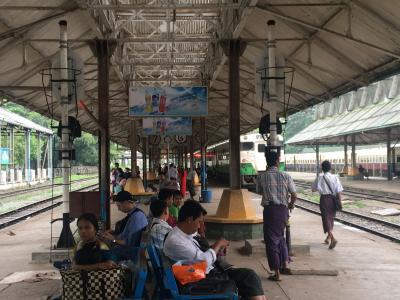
x=261 y=148
x=246 y=146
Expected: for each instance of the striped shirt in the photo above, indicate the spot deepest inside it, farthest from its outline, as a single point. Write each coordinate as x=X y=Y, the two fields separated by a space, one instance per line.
x=159 y=228
x=275 y=186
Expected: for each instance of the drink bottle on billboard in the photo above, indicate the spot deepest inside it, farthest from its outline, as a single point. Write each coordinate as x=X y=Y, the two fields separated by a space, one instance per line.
x=163 y=100
x=149 y=106
x=155 y=100
x=163 y=126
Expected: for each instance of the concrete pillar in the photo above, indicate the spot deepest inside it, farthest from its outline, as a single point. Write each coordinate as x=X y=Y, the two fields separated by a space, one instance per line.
x=353 y=151
x=27 y=155
x=38 y=158
x=346 y=159
x=103 y=49
x=133 y=145
x=317 y=158
x=234 y=49
x=389 y=154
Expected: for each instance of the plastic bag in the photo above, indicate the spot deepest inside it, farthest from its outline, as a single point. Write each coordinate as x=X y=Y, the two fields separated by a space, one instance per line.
x=187 y=272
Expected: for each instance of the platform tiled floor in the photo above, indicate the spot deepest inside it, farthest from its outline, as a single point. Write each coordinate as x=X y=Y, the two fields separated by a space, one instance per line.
x=368 y=266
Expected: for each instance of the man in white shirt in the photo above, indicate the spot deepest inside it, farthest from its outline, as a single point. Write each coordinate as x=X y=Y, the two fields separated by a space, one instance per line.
x=330 y=188
x=181 y=245
x=172 y=173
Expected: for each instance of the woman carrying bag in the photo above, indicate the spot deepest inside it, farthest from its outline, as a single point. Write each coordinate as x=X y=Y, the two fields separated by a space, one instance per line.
x=330 y=188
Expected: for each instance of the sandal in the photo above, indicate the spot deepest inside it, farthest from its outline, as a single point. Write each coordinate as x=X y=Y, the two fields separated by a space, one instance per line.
x=333 y=244
x=285 y=271
x=326 y=241
x=274 y=278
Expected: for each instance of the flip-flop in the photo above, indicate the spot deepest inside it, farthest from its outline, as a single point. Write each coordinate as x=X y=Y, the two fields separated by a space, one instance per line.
x=285 y=271
x=333 y=244
x=274 y=278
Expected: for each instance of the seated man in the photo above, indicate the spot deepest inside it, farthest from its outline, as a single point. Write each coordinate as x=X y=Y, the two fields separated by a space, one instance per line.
x=363 y=171
x=181 y=245
x=159 y=227
x=128 y=231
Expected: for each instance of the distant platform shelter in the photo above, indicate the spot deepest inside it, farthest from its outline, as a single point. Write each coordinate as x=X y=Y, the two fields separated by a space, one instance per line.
x=12 y=172
x=360 y=117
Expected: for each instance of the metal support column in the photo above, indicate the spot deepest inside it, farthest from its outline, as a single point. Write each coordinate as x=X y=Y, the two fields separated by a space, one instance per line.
x=38 y=159
x=234 y=49
x=346 y=159
x=151 y=167
x=192 y=166
x=144 y=159
x=186 y=157
x=389 y=154
x=353 y=151
x=27 y=155
x=317 y=157
x=203 y=153
x=12 y=154
x=50 y=157
x=103 y=50
x=66 y=239
x=133 y=145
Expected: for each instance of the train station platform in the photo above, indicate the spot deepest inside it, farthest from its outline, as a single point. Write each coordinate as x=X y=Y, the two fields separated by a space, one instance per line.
x=374 y=185
x=367 y=266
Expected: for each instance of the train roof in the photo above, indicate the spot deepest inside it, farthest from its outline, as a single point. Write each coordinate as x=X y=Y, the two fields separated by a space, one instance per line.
x=369 y=124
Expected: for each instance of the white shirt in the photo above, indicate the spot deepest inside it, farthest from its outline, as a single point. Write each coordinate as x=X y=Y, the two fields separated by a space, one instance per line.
x=182 y=246
x=321 y=186
x=172 y=173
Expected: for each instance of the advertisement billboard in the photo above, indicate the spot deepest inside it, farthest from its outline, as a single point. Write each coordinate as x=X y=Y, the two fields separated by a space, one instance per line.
x=167 y=126
x=168 y=101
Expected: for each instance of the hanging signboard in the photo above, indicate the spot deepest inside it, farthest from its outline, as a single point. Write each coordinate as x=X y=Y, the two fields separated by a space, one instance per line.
x=168 y=101
x=4 y=156
x=167 y=126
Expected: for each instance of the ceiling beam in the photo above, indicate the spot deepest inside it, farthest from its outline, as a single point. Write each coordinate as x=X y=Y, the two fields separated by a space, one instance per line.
x=337 y=34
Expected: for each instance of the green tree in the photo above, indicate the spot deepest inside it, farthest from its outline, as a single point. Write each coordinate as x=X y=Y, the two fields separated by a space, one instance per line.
x=296 y=123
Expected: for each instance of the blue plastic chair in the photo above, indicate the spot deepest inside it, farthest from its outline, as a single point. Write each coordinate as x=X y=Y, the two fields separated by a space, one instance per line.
x=160 y=291
x=141 y=272
x=166 y=286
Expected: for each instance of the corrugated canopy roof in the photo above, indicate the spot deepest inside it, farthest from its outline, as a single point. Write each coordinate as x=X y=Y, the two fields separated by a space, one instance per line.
x=368 y=123
x=16 y=120
x=335 y=47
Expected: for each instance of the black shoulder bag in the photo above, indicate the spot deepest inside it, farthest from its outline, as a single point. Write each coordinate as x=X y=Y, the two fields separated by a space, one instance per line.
x=338 y=203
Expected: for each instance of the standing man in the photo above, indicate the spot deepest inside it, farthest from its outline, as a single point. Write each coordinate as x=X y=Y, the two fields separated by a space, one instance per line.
x=190 y=183
x=275 y=187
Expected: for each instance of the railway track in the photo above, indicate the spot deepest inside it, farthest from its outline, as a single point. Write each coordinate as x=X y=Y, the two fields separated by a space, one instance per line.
x=32 y=209
x=378 y=227
x=8 y=194
x=369 y=224
x=363 y=195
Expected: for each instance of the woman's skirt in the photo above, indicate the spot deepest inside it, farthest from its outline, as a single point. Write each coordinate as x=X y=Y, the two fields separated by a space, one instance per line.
x=328 y=211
